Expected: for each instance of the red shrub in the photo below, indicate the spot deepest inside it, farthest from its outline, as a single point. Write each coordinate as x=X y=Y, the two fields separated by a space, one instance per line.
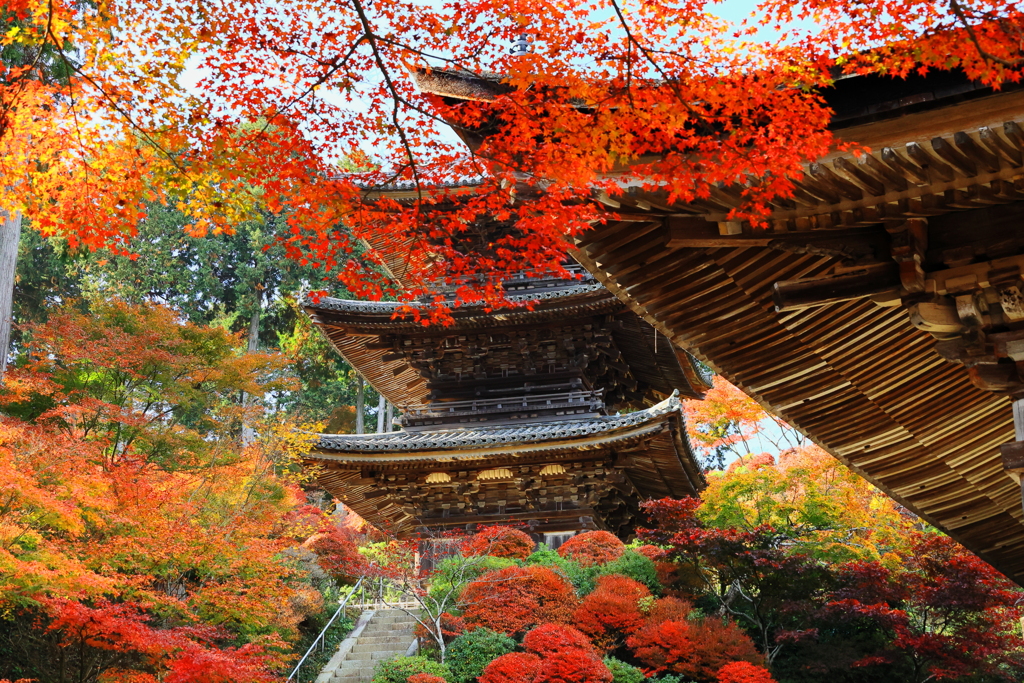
x=611 y=611
x=592 y=548
x=743 y=672
x=669 y=609
x=547 y=639
x=515 y=667
x=514 y=599
x=693 y=649
x=652 y=552
x=424 y=678
x=574 y=666
x=500 y=541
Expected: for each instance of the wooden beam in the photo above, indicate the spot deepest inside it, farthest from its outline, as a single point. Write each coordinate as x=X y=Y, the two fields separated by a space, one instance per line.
x=793 y=295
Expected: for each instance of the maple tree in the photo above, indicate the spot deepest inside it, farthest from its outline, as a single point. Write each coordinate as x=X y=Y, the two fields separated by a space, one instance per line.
x=819 y=505
x=137 y=534
x=664 y=94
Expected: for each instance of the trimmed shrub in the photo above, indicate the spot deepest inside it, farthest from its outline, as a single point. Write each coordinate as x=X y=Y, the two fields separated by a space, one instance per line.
x=399 y=670
x=669 y=609
x=515 y=599
x=548 y=639
x=515 y=667
x=612 y=611
x=694 y=649
x=622 y=672
x=573 y=666
x=469 y=654
x=743 y=672
x=592 y=548
x=500 y=541
x=424 y=678
x=637 y=567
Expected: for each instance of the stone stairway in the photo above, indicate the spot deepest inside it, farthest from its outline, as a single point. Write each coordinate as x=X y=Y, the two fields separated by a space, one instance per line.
x=388 y=633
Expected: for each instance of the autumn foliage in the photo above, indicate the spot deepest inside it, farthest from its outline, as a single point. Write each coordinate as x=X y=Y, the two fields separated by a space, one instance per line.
x=672 y=97
x=137 y=534
x=499 y=541
x=612 y=610
x=592 y=548
x=743 y=672
x=555 y=654
x=694 y=648
x=514 y=599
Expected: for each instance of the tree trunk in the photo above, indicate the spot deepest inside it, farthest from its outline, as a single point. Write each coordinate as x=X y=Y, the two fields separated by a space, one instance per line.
x=389 y=421
x=380 y=414
x=253 y=345
x=360 y=418
x=254 y=331
x=10 y=235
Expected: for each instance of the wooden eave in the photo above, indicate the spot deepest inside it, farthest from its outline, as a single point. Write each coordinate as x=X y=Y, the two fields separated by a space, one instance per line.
x=649 y=450
x=353 y=328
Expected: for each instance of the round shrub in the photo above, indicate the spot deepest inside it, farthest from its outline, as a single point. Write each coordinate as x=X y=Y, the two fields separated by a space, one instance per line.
x=515 y=599
x=573 y=666
x=612 y=611
x=695 y=649
x=469 y=654
x=622 y=672
x=592 y=548
x=399 y=670
x=424 y=678
x=743 y=672
x=547 y=639
x=637 y=567
x=500 y=541
x=515 y=667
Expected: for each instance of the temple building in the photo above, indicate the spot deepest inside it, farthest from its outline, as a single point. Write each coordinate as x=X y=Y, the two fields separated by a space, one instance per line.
x=563 y=416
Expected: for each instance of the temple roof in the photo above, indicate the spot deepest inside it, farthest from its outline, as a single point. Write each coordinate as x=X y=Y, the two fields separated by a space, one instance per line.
x=562 y=475
x=359 y=330
x=510 y=437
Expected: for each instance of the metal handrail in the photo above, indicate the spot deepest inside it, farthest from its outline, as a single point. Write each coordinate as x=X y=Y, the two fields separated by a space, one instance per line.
x=323 y=634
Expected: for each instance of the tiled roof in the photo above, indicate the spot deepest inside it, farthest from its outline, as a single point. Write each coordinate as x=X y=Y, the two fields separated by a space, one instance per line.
x=482 y=436
x=389 y=307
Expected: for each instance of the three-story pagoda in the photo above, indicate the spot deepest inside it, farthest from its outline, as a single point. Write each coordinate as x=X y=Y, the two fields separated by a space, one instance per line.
x=563 y=416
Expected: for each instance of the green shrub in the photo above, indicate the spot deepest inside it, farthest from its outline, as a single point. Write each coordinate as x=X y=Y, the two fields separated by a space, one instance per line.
x=471 y=652
x=622 y=672
x=399 y=669
x=635 y=566
x=583 y=579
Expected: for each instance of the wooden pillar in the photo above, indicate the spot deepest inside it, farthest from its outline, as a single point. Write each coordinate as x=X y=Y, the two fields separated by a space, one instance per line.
x=1013 y=452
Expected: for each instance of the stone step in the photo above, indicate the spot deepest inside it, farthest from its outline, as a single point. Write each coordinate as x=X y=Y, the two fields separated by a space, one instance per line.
x=352 y=675
x=391 y=637
x=376 y=654
x=390 y=644
x=401 y=618
x=383 y=629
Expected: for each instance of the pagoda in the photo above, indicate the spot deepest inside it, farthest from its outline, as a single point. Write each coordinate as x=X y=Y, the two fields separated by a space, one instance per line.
x=562 y=415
